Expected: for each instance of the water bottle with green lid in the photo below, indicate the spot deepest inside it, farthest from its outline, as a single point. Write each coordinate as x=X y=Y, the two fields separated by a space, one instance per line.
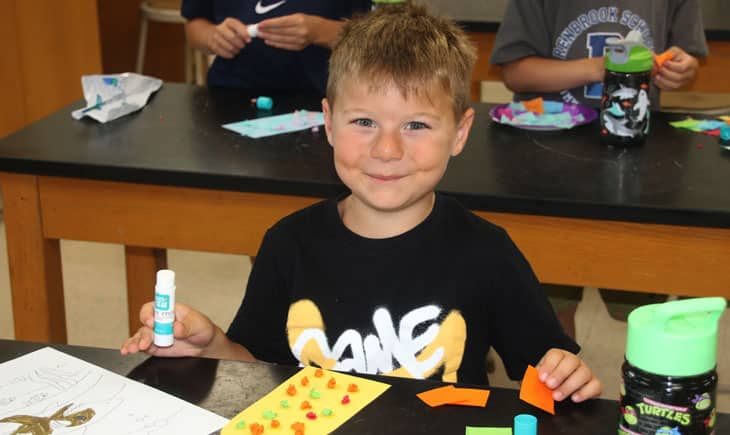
x=625 y=104
x=669 y=377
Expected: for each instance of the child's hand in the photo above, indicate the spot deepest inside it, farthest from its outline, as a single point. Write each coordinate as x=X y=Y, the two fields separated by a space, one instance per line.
x=293 y=32
x=676 y=71
x=228 y=38
x=193 y=332
x=567 y=375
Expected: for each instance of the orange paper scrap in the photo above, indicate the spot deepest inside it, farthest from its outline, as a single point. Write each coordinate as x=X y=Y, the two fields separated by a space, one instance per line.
x=534 y=105
x=450 y=395
x=535 y=392
x=661 y=58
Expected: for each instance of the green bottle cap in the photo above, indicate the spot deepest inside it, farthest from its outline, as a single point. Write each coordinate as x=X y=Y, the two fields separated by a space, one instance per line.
x=639 y=59
x=628 y=55
x=677 y=338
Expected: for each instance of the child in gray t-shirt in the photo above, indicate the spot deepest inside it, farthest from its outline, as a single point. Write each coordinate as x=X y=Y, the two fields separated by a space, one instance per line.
x=555 y=48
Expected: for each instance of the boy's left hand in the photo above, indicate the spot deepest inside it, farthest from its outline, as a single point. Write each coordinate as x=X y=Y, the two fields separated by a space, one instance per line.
x=676 y=71
x=292 y=32
x=567 y=375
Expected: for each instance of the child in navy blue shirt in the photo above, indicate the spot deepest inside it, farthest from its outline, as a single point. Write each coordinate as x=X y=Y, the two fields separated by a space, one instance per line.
x=290 y=51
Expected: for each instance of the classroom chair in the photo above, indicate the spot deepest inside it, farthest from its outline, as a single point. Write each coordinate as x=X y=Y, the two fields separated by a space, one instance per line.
x=168 y=11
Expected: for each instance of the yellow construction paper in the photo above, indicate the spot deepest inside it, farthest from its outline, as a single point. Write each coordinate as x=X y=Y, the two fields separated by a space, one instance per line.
x=320 y=397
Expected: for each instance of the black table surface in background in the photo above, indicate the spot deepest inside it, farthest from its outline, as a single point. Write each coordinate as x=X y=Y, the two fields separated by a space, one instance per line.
x=677 y=177
x=227 y=387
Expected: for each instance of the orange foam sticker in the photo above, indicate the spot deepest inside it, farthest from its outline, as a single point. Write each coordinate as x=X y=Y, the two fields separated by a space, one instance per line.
x=661 y=58
x=535 y=392
x=535 y=105
x=472 y=397
x=450 y=395
x=437 y=396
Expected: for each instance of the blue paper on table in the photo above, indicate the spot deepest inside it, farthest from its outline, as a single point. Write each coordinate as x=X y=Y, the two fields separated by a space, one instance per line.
x=279 y=124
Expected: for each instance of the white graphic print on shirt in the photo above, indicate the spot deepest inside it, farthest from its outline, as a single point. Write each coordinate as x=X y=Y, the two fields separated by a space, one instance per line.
x=393 y=351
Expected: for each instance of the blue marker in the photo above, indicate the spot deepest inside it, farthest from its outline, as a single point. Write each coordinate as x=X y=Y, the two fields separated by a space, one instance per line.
x=725 y=137
x=164 y=308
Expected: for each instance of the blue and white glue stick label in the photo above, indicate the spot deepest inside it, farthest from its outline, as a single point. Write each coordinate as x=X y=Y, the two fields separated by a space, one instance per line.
x=164 y=308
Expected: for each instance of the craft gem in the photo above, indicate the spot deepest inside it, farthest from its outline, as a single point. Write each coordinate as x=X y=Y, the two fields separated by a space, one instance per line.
x=298 y=428
x=346 y=400
x=311 y=415
x=314 y=394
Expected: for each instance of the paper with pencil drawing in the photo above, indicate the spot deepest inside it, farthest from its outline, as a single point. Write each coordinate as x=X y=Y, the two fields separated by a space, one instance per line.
x=50 y=392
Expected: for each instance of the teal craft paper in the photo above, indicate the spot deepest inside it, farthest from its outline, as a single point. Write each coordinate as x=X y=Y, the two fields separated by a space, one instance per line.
x=552 y=106
x=278 y=124
x=709 y=124
x=475 y=430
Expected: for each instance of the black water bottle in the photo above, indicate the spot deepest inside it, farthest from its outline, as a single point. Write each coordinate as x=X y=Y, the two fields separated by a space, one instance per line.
x=625 y=106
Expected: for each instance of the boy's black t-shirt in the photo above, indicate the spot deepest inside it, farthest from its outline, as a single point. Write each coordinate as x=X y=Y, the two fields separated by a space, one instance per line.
x=427 y=303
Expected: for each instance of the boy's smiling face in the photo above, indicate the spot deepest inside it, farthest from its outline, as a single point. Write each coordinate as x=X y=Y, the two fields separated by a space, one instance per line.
x=389 y=150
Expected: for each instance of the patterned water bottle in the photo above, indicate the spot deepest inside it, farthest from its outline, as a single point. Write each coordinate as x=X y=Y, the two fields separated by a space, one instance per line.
x=669 y=379
x=625 y=105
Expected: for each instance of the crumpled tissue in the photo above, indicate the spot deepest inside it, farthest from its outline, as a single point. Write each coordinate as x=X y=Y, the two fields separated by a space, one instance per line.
x=111 y=96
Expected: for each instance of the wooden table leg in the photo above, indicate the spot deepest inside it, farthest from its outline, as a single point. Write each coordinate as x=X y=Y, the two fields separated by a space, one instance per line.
x=142 y=265
x=36 y=281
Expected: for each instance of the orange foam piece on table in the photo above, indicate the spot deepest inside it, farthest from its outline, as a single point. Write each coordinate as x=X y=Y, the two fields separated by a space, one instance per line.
x=437 y=396
x=472 y=397
x=535 y=105
x=450 y=395
x=535 y=392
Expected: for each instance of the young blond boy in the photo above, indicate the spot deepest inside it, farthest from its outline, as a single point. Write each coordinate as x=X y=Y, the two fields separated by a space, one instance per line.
x=391 y=278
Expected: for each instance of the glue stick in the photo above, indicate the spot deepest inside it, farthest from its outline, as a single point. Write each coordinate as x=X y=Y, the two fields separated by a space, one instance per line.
x=164 y=308
x=253 y=30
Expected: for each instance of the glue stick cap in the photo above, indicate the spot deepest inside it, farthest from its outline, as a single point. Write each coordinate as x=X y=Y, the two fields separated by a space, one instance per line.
x=525 y=424
x=264 y=103
x=165 y=278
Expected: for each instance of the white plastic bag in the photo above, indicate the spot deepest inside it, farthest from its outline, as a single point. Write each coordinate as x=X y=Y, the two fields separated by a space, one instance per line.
x=111 y=96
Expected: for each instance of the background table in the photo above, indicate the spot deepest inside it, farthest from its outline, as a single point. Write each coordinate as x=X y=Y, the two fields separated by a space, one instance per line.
x=654 y=218
x=227 y=387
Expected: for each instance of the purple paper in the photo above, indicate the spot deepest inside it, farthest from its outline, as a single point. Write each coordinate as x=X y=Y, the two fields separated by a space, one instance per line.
x=579 y=114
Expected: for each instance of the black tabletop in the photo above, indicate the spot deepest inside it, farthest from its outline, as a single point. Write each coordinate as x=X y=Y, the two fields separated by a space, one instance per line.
x=228 y=387
x=677 y=177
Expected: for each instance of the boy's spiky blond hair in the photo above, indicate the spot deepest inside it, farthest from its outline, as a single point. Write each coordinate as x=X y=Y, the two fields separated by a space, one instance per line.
x=406 y=46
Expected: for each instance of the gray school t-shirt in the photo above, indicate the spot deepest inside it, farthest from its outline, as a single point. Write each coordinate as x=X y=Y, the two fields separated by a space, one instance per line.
x=574 y=29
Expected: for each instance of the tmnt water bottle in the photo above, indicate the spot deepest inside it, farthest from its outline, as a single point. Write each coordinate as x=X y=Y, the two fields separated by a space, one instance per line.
x=669 y=380
x=625 y=107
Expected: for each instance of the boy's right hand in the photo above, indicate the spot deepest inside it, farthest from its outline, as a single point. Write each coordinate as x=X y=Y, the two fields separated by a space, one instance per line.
x=193 y=331
x=228 y=38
